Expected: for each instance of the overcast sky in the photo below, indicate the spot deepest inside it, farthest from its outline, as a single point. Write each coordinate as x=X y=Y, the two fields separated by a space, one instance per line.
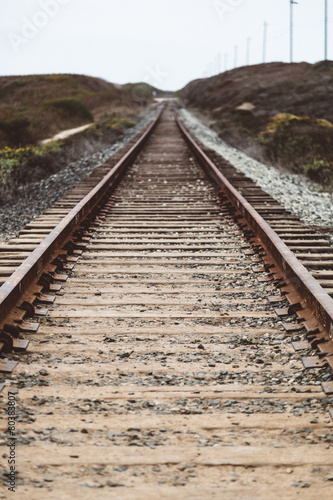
x=165 y=42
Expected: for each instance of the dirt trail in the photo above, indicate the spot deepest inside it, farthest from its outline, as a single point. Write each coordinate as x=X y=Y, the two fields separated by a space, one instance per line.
x=67 y=133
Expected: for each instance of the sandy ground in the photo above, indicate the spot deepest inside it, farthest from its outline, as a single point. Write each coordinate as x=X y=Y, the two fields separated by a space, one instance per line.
x=66 y=133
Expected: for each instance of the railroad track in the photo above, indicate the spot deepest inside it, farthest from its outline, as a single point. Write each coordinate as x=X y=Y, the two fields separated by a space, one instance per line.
x=172 y=359
x=310 y=244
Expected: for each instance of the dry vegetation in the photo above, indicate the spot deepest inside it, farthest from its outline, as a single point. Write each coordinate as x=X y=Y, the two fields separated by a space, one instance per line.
x=281 y=113
x=37 y=107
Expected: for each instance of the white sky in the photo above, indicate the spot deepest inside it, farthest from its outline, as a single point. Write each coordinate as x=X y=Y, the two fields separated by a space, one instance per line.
x=165 y=42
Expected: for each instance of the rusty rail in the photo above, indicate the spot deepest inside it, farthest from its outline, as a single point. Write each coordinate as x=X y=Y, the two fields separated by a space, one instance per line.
x=19 y=282
x=308 y=288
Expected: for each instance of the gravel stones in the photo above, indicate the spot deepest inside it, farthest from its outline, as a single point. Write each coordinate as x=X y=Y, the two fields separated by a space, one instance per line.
x=183 y=394
x=294 y=191
x=22 y=209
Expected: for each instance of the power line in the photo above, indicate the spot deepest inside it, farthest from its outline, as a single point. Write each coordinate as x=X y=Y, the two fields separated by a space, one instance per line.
x=216 y=66
x=326 y=29
x=292 y=2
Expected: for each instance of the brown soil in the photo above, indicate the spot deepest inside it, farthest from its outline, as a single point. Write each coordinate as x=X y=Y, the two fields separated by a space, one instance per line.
x=157 y=376
x=28 y=112
x=301 y=89
x=241 y=104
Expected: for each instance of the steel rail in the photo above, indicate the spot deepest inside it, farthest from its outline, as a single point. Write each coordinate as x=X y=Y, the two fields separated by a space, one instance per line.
x=307 y=286
x=30 y=270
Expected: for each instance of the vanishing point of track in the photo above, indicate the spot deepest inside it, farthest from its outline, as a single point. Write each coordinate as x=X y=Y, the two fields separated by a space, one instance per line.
x=179 y=349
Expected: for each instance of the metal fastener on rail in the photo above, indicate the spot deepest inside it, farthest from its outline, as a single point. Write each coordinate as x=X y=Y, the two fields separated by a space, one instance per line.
x=312 y=293
x=47 y=250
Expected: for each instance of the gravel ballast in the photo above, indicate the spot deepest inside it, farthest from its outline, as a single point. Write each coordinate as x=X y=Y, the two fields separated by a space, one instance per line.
x=42 y=194
x=295 y=192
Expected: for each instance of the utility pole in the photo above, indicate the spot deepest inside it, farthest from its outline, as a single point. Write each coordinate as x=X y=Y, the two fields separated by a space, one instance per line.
x=225 y=62
x=248 y=51
x=264 y=49
x=218 y=67
x=236 y=56
x=292 y=2
x=326 y=29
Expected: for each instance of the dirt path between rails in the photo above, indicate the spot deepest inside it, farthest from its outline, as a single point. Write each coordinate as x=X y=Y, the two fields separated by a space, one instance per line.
x=161 y=371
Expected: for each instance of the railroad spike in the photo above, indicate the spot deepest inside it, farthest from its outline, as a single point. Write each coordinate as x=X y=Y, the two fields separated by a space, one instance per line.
x=195 y=344
x=7 y=340
x=316 y=342
x=29 y=308
x=12 y=330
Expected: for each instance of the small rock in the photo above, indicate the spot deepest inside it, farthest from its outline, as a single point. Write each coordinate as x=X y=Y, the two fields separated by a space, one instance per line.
x=124 y=355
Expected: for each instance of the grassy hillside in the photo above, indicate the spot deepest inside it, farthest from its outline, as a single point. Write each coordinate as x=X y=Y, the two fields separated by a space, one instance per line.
x=37 y=107
x=277 y=112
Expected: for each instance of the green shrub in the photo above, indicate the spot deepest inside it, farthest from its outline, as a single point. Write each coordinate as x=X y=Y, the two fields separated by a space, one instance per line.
x=294 y=141
x=93 y=131
x=121 y=123
x=321 y=170
x=7 y=90
x=11 y=158
x=72 y=107
x=16 y=130
x=293 y=149
x=7 y=166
